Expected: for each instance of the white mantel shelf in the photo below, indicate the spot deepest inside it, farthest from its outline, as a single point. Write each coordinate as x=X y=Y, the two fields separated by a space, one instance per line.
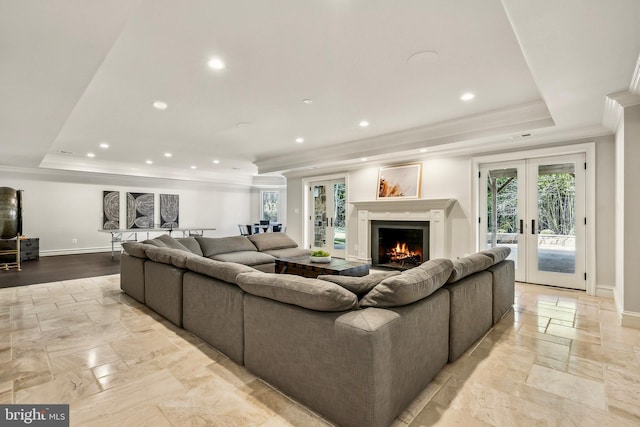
x=435 y=211
x=392 y=204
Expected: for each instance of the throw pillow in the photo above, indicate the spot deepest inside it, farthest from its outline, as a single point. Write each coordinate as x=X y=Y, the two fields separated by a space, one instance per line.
x=358 y=285
x=497 y=254
x=410 y=286
x=313 y=294
x=463 y=267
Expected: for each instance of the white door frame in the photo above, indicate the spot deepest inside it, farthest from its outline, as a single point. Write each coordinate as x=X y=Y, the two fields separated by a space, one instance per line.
x=589 y=150
x=306 y=201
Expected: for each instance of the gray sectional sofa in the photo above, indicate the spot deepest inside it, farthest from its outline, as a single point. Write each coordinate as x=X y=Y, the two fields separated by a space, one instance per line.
x=357 y=350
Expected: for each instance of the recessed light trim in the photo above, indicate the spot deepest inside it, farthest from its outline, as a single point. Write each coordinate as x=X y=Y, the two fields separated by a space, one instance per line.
x=104 y=145
x=160 y=105
x=299 y=140
x=363 y=159
x=194 y=167
x=216 y=161
x=423 y=150
x=149 y=162
x=307 y=101
x=168 y=154
x=216 y=64
x=467 y=96
x=91 y=155
x=363 y=123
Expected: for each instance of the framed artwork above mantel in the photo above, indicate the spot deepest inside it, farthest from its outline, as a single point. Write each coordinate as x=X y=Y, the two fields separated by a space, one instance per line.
x=399 y=182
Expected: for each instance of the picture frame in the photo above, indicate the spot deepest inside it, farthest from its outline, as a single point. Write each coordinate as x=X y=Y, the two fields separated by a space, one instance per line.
x=399 y=181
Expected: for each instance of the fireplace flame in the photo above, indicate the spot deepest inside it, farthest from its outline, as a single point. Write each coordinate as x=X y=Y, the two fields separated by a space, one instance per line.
x=401 y=252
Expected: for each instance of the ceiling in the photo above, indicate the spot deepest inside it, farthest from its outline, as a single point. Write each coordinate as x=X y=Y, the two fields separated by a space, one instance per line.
x=78 y=73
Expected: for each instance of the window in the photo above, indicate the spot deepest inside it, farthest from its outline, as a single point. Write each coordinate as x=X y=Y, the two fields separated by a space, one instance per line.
x=270 y=204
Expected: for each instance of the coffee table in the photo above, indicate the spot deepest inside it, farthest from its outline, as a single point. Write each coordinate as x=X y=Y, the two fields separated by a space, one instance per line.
x=302 y=266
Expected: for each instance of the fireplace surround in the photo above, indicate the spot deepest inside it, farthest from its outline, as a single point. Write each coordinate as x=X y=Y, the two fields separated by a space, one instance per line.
x=433 y=211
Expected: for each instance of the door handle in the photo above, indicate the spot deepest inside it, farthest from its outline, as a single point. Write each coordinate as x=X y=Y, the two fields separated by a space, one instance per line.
x=521 y=226
x=533 y=226
x=331 y=221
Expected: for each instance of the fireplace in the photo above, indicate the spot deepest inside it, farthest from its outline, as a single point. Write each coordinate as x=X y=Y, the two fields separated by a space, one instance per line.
x=399 y=245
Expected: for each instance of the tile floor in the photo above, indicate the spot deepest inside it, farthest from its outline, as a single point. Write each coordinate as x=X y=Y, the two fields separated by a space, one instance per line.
x=558 y=359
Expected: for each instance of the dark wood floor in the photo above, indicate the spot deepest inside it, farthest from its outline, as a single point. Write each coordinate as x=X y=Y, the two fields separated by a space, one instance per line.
x=61 y=267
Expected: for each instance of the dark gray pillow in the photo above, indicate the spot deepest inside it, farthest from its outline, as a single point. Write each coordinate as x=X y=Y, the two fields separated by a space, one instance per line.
x=463 y=267
x=272 y=241
x=497 y=254
x=223 y=245
x=410 y=286
x=192 y=244
x=358 y=285
x=313 y=294
x=137 y=249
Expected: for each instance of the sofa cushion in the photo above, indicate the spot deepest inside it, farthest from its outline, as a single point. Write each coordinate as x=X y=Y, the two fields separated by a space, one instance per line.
x=358 y=285
x=497 y=254
x=137 y=249
x=272 y=241
x=176 y=257
x=288 y=252
x=222 y=245
x=226 y=271
x=410 y=286
x=463 y=267
x=313 y=294
x=192 y=244
x=247 y=257
x=155 y=242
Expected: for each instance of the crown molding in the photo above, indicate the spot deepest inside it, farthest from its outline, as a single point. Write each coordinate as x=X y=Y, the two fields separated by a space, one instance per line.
x=614 y=106
x=524 y=117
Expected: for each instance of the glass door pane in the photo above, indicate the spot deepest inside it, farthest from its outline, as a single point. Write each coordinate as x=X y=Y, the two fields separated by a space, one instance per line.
x=319 y=216
x=501 y=199
x=339 y=217
x=556 y=227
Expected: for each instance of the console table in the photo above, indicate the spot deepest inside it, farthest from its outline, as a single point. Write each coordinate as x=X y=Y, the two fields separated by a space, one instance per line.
x=118 y=236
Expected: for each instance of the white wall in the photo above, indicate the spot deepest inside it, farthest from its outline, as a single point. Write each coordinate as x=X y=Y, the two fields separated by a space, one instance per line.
x=605 y=214
x=631 y=207
x=61 y=206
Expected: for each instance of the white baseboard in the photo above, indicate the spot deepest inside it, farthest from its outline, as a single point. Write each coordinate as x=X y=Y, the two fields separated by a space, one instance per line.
x=54 y=252
x=605 y=291
x=630 y=319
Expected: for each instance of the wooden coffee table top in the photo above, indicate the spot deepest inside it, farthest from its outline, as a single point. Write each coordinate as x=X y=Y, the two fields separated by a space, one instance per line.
x=302 y=266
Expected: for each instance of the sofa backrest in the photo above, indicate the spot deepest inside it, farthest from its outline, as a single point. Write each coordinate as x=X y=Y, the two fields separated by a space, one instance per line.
x=166 y=241
x=272 y=241
x=191 y=243
x=223 y=245
x=463 y=267
x=410 y=286
x=497 y=254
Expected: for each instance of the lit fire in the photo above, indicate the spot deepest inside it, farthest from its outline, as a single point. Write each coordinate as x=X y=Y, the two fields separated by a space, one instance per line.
x=401 y=253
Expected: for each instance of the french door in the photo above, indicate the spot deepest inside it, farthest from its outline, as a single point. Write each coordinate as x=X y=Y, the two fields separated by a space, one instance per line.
x=537 y=208
x=328 y=216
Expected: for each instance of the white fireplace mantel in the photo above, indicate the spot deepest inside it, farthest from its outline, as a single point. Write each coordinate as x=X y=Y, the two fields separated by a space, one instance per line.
x=435 y=211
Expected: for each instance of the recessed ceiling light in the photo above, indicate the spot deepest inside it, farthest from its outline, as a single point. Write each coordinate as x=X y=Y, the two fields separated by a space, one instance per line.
x=363 y=159
x=91 y=155
x=149 y=162
x=242 y=124
x=216 y=161
x=467 y=96
x=216 y=63
x=194 y=167
x=363 y=124
x=307 y=101
x=423 y=150
x=168 y=154
x=299 y=140
x=104 y=145
x=160 y=105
